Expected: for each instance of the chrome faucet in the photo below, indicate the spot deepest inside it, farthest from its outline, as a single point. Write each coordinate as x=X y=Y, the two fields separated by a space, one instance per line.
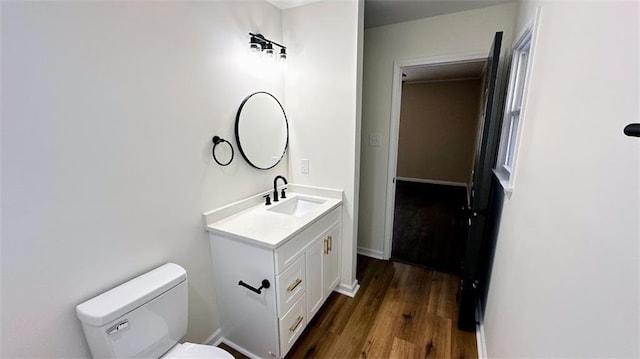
x=275 y=188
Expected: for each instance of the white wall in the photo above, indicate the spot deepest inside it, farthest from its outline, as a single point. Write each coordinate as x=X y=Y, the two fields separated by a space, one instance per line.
x=565 y=278
x=321 y=91
x=108 y=109
x=465 y=32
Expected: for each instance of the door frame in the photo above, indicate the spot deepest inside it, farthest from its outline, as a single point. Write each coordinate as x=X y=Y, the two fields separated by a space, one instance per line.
x=394 y=128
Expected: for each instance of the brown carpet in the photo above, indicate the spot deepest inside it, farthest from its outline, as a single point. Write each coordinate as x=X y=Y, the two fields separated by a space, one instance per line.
x=429 y=226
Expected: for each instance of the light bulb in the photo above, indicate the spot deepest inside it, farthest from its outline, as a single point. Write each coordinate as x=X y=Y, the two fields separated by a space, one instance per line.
x=268 y=50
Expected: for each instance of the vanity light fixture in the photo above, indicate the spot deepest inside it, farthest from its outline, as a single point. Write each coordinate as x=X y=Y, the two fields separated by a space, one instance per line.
x=259 y=43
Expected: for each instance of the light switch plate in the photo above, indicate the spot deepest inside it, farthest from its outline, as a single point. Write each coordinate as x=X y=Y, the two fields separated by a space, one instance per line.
x=304 y=166
x=374 y=140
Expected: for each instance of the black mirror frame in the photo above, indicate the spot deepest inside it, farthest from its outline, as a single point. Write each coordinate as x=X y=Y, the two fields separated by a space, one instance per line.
x=286 y=122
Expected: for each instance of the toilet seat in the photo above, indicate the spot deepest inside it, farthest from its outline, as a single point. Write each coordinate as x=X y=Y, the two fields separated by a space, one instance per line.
x=190 y=350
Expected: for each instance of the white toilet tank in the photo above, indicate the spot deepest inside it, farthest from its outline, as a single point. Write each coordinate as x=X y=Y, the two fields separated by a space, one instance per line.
x=143 y=317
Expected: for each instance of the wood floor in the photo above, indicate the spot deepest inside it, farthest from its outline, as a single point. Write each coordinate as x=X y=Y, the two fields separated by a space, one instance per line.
x=401 y=311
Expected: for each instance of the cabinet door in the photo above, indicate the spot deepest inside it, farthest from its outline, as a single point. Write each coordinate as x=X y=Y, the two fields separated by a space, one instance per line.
x=314 y=259
x=331 y=260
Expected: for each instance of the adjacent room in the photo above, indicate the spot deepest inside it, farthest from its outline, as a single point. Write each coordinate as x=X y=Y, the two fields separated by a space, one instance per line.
x=438 y=132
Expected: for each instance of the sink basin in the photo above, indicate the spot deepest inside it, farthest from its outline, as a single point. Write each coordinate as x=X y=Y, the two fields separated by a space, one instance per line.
x=297 y=206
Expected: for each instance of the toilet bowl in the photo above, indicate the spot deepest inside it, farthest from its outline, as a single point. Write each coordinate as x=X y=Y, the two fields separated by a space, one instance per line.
x=144 y=317
x=190 y=350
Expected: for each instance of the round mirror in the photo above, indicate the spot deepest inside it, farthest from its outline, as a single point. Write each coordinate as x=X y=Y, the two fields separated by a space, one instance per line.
x=262 y=130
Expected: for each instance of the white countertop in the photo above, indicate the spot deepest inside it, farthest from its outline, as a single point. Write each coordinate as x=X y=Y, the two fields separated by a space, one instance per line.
x=251 y=220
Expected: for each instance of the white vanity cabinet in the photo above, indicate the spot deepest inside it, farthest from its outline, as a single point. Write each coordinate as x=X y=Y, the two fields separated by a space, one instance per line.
x=302 y=271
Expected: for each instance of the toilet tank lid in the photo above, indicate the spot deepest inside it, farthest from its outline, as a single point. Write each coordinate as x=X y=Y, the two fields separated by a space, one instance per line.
x=128 y=296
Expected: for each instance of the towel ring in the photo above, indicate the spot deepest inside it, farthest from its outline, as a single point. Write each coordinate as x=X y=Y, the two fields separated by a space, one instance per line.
x=216 y=141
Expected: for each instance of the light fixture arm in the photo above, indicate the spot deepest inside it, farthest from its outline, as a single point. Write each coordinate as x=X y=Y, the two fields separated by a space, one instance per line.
x=263 y=40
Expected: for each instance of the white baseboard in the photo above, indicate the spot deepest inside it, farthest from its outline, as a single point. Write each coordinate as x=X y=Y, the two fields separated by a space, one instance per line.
x=480 y=339
x=422 y=180
x=373 y=253
x=348 y=290
x=215 y=338
x=240 y=349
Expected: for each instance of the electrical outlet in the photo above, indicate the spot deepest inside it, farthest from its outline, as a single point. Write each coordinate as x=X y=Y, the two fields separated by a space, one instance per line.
x=304 y=166
x=374 y=140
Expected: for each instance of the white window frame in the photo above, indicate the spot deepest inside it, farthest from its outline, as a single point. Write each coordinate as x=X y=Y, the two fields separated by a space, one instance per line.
x=514 y=109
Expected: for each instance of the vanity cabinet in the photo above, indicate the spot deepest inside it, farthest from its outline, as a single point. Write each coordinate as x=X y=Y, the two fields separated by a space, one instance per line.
x=302 y=272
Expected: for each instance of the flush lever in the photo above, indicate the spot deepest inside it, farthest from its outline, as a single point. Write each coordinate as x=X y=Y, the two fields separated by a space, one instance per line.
x=120 y=326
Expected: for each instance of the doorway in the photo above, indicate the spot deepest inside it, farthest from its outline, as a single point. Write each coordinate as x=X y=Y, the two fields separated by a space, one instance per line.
x=439 y=105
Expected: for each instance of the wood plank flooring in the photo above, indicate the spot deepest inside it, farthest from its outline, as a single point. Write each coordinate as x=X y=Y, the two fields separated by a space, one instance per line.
x=401 y=311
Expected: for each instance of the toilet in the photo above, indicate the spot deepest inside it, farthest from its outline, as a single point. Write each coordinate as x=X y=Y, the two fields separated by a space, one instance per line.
x=143 y=318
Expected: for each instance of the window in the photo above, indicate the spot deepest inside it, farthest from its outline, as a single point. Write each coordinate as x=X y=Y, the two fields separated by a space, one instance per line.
x=512 y=121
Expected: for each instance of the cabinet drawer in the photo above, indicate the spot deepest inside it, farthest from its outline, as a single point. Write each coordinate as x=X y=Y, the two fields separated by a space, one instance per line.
x=292 y=325
x=288 y=252
x=291 y=285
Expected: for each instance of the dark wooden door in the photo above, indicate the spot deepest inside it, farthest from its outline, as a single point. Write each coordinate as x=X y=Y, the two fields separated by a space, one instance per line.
x=484 y=161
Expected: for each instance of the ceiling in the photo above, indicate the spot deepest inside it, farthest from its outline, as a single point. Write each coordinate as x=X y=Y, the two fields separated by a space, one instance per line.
x=387 y=12
x=287 y=4
x=457 y=71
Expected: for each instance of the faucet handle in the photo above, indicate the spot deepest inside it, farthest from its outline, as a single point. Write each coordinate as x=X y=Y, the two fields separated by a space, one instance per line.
x=282 y=194
x=268 y=199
